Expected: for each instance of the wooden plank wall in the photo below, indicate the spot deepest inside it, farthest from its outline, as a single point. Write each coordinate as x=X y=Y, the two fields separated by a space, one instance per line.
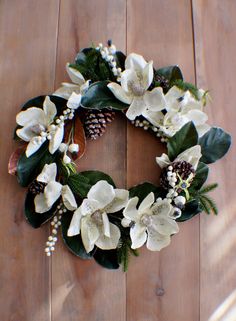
x=194 y=279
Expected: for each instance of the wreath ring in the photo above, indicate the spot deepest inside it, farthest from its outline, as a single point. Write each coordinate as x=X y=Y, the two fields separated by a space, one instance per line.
x=98 y=220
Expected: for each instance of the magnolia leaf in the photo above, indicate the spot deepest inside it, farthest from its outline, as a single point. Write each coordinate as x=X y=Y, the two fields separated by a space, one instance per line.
x=74 y=243
x=95 y=176
x=75 y=129
x=185 y=138
x=191 y=209
x=14 y=158
x=200 y=176
x=37 y=219
x=99 y=96
x=142 y=190
x=107 y=258
x=214 y=145
x=79 y=184
x=171 y=73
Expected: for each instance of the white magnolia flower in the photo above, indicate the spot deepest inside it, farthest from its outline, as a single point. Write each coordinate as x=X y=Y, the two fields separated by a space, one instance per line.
x=135 y=81
x=78 y=85
x=181 y=108
x=191 y=155
x=151 y=222
x=91 y=219
x=52 y=191
x=37 y=124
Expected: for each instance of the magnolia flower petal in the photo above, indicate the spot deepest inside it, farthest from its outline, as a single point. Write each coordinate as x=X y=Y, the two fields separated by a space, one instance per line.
x=52 y=192
x=191 y=155
x=109 y=243
x=75 y=76
x=74 y=101
x=128 y=77
x=130 y=210
x=120 y=200
x=30 y=116
x=89 y=206
x=162 y=208
x=147 y=202
x=136 y=108
x=163 y=160
x=202 y=129
x=50 y=109
x=154 y=117
x=68 y=198
x=48 y=173
x=197 y=116
x=135 y=61
x=102 y=192
x=34 y=145
x=40 y=204
x=147 y=75
x=164 y=224
x=156 y=241
x=155 y=99
x=190 y=103
x=66 y=90
x=25 y=133
x=74 y=228
x=56 y=140
x=119 y=93
x=89 y=233
x=138 y=235
x=106 y=225
x=173 y=98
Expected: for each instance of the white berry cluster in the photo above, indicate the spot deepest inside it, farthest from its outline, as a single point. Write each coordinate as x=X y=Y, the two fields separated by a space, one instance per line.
x=72 y=148
x=55 y=223
x=107 y=54
x=146 y=125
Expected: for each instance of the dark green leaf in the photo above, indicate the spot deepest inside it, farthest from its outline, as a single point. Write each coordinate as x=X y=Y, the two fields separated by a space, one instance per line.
x=200 y=177
x=33 y=218
x=191 y=209
x=95 y=176
x=171 y=73
x=99 y=96
x=120 y=59
x=185 y=138
x=79 y=184
x=142 y=190
x=29 y=167
x=215 y=144
x=107 y=259
x=74 y=243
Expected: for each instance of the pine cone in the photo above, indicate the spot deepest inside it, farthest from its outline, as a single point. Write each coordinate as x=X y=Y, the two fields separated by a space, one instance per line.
x=36 y=187
x=96 y=121
x=164 y=83
x=182 y=168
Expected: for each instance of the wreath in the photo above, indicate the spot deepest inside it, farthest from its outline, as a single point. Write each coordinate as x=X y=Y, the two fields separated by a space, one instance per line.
x=96 y=219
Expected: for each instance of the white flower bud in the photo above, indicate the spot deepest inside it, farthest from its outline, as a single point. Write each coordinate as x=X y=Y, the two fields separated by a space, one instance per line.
x=63 y=147
x=66 y=159
x=125 y=222
x=180 y=200
x=73 y=148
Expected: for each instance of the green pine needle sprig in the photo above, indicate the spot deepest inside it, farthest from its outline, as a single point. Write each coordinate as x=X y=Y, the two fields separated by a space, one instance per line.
x=207 y=203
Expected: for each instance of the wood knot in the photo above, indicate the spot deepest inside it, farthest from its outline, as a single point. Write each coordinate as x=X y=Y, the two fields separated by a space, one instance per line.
x=160 y=291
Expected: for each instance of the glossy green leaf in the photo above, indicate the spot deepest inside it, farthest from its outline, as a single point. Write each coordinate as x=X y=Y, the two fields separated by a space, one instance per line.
x=142 y=190
x=33 y=218
x=215 y=144
x=99 y=96
x=191 y=209
x=95 y=176
x=200 y=176
x=107 y=258
x=171 y=73
x=185 y=138
x=74 y=243
x=29 y=167
x=79 y=184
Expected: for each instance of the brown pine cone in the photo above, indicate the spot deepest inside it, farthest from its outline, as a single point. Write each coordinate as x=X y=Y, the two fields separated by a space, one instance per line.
x=36 y=187
x=96 y=121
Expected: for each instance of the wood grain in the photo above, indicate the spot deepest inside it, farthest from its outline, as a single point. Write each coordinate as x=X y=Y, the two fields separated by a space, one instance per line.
x=215 y=38
x=28 y=37
x=96 y=293
x=161 y=286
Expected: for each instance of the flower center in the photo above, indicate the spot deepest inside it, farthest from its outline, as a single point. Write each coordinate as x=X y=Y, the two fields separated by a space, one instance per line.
x=37 y=129
x=146 y=220
x=97 y=217
x=136 y=88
